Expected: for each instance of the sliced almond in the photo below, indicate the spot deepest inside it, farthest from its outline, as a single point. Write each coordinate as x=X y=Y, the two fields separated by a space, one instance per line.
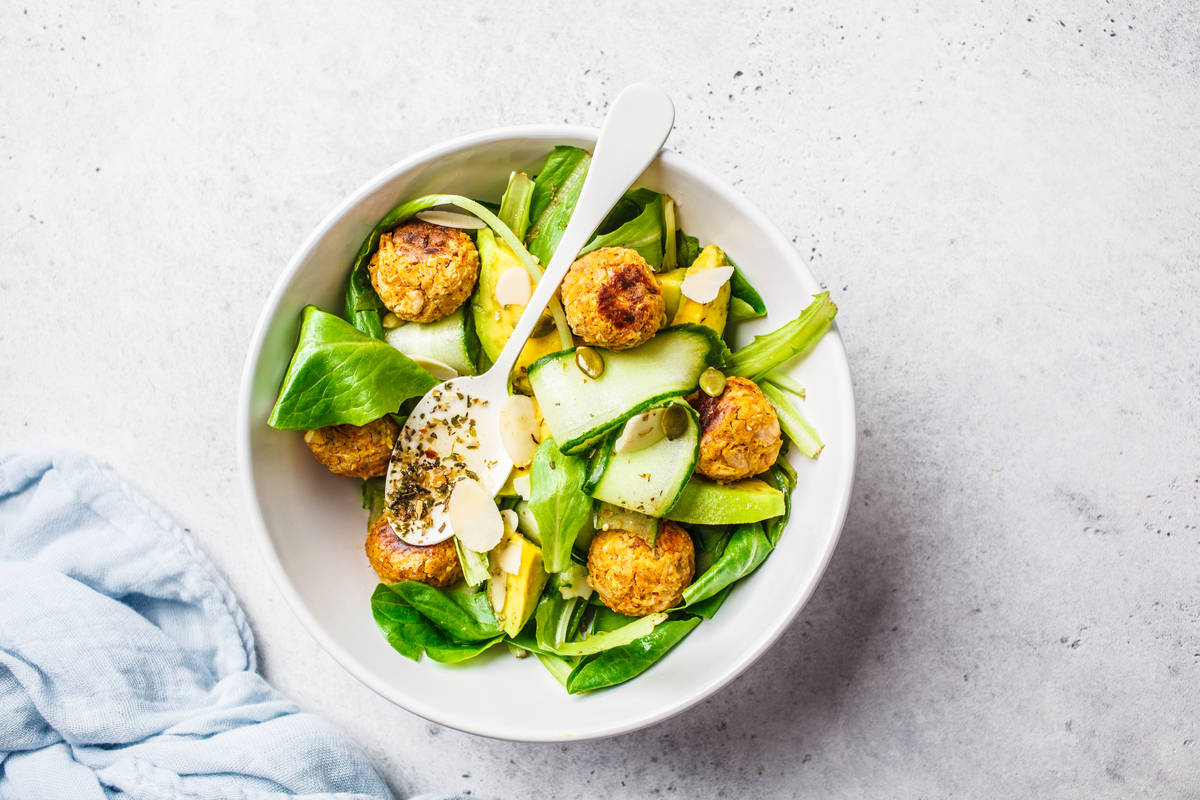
x=508 y=556
x=513 y=287
x=702 y=286
x=474 y=517
x=523 y=486
x=496 y=591
x=451 y=219
x=641 y=431
x=510 y=520
x=519 y=429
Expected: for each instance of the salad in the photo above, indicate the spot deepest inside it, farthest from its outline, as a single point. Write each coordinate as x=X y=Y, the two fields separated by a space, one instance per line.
x=650 y=461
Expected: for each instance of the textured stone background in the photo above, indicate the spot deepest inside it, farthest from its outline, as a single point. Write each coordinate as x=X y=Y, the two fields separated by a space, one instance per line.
x=1004 y=198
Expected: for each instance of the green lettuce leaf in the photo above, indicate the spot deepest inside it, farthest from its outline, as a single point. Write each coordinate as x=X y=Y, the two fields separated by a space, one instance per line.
x=558 y=503
x=555 y=192
x=622 y=663
x=643 y=232
x=464 y=616
x=340 y=375
x=410 y=633
x=746 y=549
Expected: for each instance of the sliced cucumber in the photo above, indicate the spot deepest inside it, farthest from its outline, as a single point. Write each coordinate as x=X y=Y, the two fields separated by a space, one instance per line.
x=707 y=502
x=451 y=340
x=579 y=409
x=598 y=463
x=650 y=480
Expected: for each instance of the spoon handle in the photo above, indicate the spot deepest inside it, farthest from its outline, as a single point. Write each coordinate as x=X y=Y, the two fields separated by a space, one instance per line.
x=634 y=130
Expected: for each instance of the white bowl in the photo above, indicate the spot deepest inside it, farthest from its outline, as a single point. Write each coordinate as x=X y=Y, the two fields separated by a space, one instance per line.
x=312 y=526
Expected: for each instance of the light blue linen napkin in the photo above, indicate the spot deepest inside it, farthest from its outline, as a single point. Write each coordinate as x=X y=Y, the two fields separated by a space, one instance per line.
x=127 y=668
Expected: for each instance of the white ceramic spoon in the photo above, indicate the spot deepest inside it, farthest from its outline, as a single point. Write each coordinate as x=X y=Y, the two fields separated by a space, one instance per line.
x=458 y=422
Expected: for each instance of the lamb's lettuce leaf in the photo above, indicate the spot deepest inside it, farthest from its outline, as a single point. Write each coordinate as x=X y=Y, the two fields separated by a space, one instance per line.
x=410 y=633
x=464 y=616
x=635 y=222
x=747 y=548
x=340 y=375
x=556 y=617
x=558 y=503
x=749 y=302
x=642 y=232
x=628 y=661
x=687 y=249
x=708 y=607
x=555 y=192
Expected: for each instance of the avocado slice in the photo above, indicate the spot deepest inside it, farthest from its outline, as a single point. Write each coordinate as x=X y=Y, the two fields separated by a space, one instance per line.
x=712 y=314
x=494 y=323
x=707 y=502
x=670 y=282
x=521 y=591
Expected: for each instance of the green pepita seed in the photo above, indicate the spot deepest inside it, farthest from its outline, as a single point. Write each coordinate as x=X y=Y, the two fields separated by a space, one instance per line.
x=590 y=362
x=544 y=325
x=390 y=321
x=712 y=382
x=674 y=422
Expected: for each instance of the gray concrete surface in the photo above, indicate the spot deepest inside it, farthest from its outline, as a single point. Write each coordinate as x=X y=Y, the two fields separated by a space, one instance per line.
x=1004 y=198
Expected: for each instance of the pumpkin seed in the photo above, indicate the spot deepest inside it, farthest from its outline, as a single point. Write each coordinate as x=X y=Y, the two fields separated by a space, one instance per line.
x=712 y=382
x=544 y=325
x=590 y=362
x=674 y=422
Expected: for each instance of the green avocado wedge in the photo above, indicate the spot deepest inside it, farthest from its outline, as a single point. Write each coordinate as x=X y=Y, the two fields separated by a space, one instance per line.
x=705 y=502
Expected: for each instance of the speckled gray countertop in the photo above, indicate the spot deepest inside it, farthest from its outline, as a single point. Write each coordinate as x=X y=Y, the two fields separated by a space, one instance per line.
x=1004 y=199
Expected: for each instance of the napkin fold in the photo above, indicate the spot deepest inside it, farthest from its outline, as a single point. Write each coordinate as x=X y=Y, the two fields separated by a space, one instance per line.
x=127 y=667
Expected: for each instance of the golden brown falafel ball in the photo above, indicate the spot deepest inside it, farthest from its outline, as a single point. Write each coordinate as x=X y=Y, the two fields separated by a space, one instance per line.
x=354 y=451
x=394 y=560
x=612 y=298
x=422 y=272
x=740 y=433
x=635 y=579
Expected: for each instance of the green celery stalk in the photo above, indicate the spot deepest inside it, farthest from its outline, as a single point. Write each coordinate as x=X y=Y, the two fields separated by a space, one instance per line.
x=790 y=340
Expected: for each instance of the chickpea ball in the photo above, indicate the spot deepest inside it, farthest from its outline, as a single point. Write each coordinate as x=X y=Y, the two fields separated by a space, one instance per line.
x=354 y=451
x=634 y=578
x=395 y=561
x=740 y=434
x=423 y=272
x=612 y=298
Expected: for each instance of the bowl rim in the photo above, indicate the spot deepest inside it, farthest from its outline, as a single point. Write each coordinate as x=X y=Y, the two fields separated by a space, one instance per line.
x=551 y=133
